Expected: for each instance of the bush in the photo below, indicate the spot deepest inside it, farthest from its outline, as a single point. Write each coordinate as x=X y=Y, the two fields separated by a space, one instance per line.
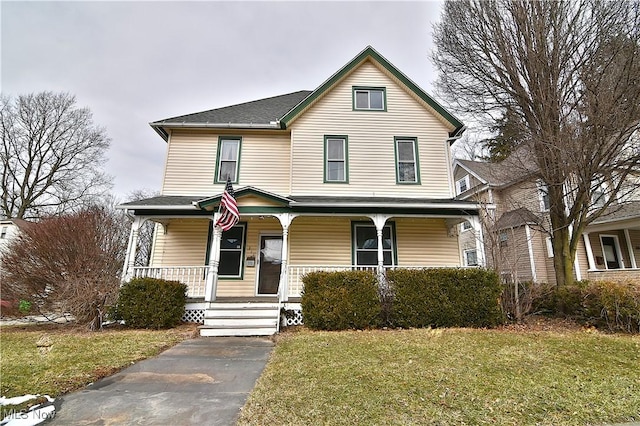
x=564 y=301
x=341 y=300
x=615 y=305
x=151 y=303
x=68 y=263
x=445 y=298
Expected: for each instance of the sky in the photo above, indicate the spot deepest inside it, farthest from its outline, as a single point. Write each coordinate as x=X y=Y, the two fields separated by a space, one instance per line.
x=134 y=62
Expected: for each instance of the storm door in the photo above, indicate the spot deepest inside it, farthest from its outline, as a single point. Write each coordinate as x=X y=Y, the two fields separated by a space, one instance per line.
x=270 y=264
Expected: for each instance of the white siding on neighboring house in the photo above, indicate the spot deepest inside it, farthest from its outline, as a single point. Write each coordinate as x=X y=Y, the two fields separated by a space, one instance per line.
x=371 y=155
x=191 y=162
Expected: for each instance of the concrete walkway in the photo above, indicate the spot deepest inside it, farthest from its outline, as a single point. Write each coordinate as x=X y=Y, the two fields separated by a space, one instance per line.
x=201 y=381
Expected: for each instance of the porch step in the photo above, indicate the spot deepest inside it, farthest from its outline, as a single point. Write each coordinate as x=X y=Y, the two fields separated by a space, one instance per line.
x=241 y=319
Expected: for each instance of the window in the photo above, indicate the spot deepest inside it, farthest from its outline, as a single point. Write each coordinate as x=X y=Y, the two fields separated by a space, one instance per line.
x=365 y=244
x=3 y=233
x=232 y=245
x=228 y=159
x=462 y=184
x=369 y=98
x=407 y=170
x=466 y=225
x=336 y=164
x=598 y=195
x=549 y=247
x=470 y=257
x=543 y=196
x=503 y=238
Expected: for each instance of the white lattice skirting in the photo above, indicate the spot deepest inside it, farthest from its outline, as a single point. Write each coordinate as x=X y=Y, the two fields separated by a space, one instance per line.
x=193 y=315
x=291 y=317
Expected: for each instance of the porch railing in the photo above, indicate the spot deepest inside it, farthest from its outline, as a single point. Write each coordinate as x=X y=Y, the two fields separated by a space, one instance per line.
x=195 y=277
x=296 y=272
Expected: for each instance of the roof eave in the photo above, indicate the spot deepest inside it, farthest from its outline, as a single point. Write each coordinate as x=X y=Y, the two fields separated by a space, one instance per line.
x=160 y=126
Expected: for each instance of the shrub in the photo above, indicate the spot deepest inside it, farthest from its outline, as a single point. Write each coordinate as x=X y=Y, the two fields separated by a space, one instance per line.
x=341 y=300
x=151 y=303
x=445 y=297
x=69 y=263
x=563 y=301
x=615 y=305
x=517 y=305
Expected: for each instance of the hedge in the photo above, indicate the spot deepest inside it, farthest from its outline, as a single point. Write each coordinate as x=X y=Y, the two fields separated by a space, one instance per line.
x=341 y=300
x=445 y=297
x=151 y=303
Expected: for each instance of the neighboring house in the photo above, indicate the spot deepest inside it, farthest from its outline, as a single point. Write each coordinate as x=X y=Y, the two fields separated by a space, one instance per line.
x=9 y=230
x=517 y=241
x=355 y=174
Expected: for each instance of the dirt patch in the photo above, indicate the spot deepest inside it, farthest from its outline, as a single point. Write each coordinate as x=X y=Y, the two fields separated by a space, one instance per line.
x=536 y=323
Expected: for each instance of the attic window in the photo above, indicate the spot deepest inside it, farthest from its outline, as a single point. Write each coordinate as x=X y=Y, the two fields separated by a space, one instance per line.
x=462 y=184
x=369 y=98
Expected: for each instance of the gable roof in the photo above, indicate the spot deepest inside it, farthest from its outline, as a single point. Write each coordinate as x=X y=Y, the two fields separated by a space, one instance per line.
x=278 y=112
x=517 y=217
x=263 y=113
x=513 y=169
x=370 y=53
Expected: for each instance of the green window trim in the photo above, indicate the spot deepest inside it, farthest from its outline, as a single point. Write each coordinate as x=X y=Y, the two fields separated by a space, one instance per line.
x=345 y=160
x=219 y=160
x=355 y=90
x=416 y=160
x=354 y=243
x=243 y=250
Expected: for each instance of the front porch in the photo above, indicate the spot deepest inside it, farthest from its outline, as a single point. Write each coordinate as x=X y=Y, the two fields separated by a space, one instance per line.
x=278 y=240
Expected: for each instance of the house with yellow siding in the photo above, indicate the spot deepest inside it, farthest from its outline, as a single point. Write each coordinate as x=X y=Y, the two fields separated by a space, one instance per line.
x=355 y=174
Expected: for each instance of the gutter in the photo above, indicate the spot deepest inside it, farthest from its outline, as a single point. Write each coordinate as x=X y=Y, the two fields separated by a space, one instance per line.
x=160 y=126
x=412 y=205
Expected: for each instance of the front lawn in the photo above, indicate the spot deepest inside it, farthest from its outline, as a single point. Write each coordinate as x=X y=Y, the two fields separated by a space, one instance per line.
x=57 y=359
x=449 y=377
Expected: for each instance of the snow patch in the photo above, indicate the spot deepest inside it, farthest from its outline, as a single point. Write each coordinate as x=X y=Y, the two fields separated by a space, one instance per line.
x=36 y=414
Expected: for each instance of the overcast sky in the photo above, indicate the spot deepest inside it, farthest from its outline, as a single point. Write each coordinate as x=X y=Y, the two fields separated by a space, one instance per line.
x=136 y=62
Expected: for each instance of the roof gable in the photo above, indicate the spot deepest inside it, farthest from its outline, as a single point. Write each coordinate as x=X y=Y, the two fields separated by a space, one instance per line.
x=371 y=54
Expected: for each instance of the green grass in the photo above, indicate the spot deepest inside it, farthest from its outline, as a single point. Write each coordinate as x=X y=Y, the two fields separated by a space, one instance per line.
x=448 y=377
x=75 y=357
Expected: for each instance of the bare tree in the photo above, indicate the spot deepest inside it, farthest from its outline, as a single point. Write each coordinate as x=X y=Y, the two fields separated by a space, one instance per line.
x=560 y=81
x=51 y=155
x=69 y=263
x=145 y=233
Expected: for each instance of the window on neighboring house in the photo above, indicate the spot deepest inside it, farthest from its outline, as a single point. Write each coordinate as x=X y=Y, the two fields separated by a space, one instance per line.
x=365 y=244
x=3 y=232
x=407 y=170
x=232 y=246
x=228 y=159
x=503 y=238
x=369 y=98
x=462 y=184
x=549 y=247
x=543 y=196
x=336 y=163
x=466 y=225
x=471 y=257
x=598 y=195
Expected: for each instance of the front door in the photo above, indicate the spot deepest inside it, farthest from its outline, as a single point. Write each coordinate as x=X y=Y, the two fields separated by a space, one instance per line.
x=610 y=250
x=270 y=264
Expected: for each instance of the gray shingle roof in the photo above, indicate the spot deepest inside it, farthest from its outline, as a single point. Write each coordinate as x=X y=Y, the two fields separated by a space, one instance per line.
x=620 y=212
x=517 y=217
x=262 y=111
x=513 y=169
x=165 y=201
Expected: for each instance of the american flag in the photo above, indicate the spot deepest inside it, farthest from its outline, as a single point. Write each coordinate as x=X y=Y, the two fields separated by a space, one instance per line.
x=228 y=208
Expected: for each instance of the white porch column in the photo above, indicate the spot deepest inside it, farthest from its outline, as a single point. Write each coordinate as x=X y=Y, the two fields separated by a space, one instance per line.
x=283 y=289
x=379 y=220
x=534 y=275
x=477 y=227
x=587 y=247
x=214 y=261
x=632 y=257
x=130 y=257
